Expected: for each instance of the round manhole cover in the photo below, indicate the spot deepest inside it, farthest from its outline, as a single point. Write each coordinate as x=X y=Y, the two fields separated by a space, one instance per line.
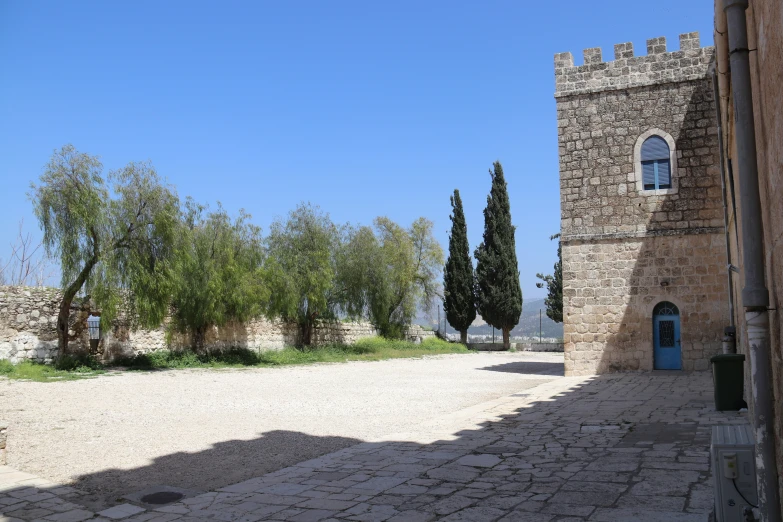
x=161 y=497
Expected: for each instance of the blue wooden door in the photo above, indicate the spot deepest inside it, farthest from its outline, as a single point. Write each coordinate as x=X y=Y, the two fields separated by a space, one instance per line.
x=667 y=353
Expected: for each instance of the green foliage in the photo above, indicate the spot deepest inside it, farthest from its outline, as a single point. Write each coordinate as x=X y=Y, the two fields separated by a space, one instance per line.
x=499 y=294
x=78 y=363
x=369 y=349
x=73 y=369
x=459 y=278
x=218 y=272
x=302 y=267
x=124 y=244
x=387 y=272
x=554 y=284
x=116 y=245
x=356 y=276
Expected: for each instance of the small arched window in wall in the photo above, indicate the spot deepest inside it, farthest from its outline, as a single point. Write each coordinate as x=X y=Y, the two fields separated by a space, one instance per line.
x=655 y=163
x=656 y=171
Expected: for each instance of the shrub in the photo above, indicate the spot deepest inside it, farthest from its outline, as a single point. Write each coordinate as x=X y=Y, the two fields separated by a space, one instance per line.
x=79 y=363
x=6 y=368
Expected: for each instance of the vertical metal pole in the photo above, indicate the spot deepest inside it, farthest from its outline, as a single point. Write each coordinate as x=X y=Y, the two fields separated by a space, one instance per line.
x=493 y=335
x=722 y=156
x=540 y=334
x=755 y=296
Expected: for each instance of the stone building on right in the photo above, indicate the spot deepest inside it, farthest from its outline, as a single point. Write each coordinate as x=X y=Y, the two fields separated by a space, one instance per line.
x=671 y=178
x=642 y=228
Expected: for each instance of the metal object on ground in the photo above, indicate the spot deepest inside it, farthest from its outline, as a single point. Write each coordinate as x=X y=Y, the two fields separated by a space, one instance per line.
x=157 y=496
x=728 y=376
x=162 y=497
x=734 y=470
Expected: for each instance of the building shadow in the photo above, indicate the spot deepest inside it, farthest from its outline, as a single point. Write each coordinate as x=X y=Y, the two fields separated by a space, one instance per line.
x=683 y=259
x=545 y=453
x=653 y=247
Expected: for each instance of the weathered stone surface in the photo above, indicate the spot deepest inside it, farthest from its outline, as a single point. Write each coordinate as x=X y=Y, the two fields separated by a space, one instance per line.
x=479 y=461
x=567 y=477
x=121 y=511
x=28 y=321
x=628 y=71
x=625 y=249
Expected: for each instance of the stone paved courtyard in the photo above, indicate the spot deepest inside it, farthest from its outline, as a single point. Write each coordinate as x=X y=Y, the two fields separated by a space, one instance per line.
x=206 y=429
x=618 y=447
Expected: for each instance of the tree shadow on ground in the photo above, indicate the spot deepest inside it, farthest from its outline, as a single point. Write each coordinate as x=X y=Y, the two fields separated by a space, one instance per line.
x=529 y=368
x=224 y=463
x=547 y=452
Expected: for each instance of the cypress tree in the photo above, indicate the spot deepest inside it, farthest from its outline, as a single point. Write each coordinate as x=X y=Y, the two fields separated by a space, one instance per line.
x=458 y=277
x=554 y=285
x=499 y=295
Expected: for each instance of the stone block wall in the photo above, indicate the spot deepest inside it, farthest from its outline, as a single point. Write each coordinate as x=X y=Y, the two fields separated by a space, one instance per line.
x=610 y=288
x=28 y=323
x=519 y=347
x=626 y=249
x=28 y=318
x=627 y=71
x=765 y=35
x=597 y=134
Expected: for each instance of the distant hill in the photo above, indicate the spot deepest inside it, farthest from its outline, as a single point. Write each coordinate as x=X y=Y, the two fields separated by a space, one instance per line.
x=527 y=327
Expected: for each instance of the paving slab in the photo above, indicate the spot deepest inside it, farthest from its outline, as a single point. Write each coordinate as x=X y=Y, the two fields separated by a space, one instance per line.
x=572 y=449
x=121 y=511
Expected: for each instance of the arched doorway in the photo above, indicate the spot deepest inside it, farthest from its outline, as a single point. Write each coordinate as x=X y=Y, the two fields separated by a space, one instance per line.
x=667 y=350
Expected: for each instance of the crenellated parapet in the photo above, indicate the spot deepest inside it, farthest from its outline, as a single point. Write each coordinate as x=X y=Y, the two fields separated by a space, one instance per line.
x=690 y=62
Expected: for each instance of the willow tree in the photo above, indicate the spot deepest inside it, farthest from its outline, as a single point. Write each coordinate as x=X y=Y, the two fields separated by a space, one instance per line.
x=301 y=269
x=114 y=237
x=357 y=273
x=218 y=272
x=497 y=274
x=459 y=278
x=391 y=271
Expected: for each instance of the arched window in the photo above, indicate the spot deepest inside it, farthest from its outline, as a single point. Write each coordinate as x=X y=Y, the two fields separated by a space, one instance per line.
x=656 y=169
x=666 y=308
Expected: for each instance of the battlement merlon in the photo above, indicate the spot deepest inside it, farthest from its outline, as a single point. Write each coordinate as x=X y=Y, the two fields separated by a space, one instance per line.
x=691 y=62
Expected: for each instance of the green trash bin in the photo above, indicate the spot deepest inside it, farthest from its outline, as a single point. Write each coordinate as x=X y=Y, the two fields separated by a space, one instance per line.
x=728 y=376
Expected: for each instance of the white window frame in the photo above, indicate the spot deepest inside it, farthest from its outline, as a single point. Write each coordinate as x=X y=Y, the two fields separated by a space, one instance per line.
x=637 y=164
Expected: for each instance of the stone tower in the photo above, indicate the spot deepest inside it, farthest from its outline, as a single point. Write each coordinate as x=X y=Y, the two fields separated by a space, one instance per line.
x=643 y=244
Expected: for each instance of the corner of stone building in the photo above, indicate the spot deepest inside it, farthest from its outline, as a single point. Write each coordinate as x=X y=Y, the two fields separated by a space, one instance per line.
x=625 y=250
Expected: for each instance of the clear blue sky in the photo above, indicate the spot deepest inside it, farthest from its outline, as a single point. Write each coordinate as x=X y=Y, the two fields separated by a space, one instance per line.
x=364 y=108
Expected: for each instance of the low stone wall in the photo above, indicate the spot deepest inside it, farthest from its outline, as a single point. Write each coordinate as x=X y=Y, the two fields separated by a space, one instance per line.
x=28 y=319
x=539 y=347
x=28 y=323
x=3 y=441
x=417 y=334
x=519 y=347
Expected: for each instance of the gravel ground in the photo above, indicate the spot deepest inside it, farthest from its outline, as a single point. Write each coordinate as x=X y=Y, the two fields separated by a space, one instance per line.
x=205 y=429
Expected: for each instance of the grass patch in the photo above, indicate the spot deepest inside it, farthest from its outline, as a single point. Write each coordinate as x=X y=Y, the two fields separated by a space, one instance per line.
x=369 y=349
x=69 y=368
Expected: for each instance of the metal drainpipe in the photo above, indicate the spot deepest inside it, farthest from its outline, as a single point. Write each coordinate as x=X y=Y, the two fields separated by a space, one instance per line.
x=755 y=296
x=723 y=191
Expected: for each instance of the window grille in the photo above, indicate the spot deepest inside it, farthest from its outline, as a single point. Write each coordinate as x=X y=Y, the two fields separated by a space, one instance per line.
x=666 y=308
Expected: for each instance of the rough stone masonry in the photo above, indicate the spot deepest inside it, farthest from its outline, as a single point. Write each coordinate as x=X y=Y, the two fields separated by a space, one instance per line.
x=626 y=249
x=28 y=320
